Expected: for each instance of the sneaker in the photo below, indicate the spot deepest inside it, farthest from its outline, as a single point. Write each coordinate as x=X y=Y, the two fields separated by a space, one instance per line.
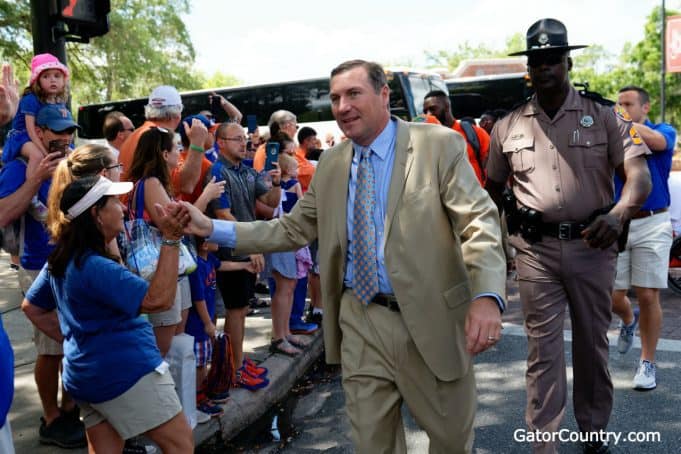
x=208 y=407
x=218 y=398
x=201 y=417
x=253 y=369
x=245 y=380
x=626 y=339
x=303 y=328
x=62 y=432
x=644 y=380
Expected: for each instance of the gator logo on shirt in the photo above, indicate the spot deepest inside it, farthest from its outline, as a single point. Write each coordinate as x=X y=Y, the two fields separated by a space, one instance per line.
x=633 y=133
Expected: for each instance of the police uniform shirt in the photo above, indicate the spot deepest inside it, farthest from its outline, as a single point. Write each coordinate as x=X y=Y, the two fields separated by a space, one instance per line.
x=562 y=167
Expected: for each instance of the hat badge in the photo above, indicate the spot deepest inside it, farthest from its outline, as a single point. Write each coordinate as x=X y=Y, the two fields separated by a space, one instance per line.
x=543 y=38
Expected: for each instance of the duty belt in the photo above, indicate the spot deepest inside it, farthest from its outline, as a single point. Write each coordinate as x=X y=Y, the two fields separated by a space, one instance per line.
x=563 y=230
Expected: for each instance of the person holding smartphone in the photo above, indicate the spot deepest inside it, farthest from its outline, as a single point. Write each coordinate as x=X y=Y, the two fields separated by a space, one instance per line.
x=23 y=194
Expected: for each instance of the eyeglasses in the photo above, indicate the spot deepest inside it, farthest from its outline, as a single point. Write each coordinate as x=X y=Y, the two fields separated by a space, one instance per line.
x=544 y=58
x=115 y=166
x=240 y=139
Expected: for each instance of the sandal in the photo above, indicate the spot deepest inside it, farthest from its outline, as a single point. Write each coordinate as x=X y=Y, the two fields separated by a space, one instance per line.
x=284 y=347
x=298 y=341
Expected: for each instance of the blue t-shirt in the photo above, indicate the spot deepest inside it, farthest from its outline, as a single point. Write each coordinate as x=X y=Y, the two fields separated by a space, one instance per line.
x=36 y=238
x=6 y=374
x=202 y=283
x=28 y=105
x=108 y=346
x=659 y=165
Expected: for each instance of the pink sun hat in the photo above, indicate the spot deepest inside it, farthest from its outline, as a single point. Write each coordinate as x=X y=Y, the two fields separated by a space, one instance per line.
x=42 y=62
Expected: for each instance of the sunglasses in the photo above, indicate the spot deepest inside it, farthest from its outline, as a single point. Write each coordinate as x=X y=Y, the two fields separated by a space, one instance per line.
x=545 y=58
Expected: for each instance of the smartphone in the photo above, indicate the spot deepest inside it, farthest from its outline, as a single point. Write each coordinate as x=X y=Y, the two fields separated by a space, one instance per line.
x=58 y=145
x=271 y=155
x=215 y=106
x=252 y=123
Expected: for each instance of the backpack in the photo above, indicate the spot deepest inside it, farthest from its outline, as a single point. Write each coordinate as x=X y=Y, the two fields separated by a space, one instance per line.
x=472 y=139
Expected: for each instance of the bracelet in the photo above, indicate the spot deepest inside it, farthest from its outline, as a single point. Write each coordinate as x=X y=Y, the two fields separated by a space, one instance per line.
x=276 y=185
x=196 y=148
x=173 y=243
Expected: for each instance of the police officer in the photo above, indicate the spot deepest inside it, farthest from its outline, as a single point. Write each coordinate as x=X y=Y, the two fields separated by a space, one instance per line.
x=560 y=149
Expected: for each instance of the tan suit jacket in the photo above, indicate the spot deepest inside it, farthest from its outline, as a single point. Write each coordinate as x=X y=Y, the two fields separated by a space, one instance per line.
x=442 y=240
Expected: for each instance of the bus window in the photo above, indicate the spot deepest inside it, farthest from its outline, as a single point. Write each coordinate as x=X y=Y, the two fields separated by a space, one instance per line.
x=471 y=96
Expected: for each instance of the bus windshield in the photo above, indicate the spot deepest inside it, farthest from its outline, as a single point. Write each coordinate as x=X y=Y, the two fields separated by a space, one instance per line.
x=307 y=99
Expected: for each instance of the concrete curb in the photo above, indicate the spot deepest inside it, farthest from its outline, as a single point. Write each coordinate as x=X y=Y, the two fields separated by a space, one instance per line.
x=245 y=407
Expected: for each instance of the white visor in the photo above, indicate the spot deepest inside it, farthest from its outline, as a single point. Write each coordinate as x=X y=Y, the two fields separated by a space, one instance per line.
x=103 y=187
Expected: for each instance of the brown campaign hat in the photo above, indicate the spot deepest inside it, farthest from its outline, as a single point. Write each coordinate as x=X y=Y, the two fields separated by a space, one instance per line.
x=546 y=34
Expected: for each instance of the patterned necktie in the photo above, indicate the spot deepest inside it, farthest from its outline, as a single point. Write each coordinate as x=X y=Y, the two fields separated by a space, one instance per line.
x=365 y=285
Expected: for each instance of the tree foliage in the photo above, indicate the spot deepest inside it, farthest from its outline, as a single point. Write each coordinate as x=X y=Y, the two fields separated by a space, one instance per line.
x=638 y=64
x=147 y=45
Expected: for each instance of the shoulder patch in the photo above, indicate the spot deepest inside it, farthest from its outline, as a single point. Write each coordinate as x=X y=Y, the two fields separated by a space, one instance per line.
x=592 y=95
x=635 y=137
x=622 y=113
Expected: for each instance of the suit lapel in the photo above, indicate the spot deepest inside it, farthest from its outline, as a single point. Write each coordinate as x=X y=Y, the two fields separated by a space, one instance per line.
x=341 y=196
x=403 y=159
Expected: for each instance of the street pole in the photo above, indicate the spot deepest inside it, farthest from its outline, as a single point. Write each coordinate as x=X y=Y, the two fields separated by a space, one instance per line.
x=44 y=37
x=663 y=66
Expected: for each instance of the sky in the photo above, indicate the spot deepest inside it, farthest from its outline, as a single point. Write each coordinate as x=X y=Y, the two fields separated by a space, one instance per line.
x=262 y=41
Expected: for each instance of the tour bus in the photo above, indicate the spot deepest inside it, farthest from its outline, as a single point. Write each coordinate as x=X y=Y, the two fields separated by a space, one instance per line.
x=307 y=99
x=471 y=96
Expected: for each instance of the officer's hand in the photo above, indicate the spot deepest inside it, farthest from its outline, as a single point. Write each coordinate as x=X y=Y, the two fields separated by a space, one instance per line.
x=483 y=325
x=603 y=231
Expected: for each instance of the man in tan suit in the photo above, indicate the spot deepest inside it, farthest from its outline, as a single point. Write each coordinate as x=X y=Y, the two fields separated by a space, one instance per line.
x=435 y=269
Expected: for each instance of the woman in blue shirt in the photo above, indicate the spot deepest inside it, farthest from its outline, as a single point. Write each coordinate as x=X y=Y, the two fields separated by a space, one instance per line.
x=112 y=366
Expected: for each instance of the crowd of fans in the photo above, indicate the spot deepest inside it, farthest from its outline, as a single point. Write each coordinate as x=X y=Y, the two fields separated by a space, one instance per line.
x=70 y=208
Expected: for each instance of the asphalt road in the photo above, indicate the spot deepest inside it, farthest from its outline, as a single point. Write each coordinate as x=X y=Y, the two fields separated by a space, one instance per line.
x=320 y=425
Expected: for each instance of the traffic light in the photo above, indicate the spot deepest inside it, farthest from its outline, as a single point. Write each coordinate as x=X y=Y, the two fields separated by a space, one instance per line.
x=80 y=20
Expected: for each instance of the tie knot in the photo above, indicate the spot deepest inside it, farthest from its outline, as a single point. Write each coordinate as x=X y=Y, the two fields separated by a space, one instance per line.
x=366 y=152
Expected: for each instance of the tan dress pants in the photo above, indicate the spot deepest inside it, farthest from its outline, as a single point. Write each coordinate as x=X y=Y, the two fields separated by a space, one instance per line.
x=554 y=275
x=382 y=368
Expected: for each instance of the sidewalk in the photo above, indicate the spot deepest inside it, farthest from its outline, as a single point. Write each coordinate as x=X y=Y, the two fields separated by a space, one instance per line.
x=243 y=408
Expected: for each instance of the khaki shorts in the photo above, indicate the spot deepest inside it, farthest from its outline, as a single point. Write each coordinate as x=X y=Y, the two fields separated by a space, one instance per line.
x=645 y=261
x=44 y=344
x=173 y=316
x=150 y=402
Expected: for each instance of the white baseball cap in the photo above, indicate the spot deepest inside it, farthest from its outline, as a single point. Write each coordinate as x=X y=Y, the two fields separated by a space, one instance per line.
x=165 y=95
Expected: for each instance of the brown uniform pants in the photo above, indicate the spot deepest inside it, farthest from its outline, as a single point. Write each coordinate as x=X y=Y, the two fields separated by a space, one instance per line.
x=554 y=274
x=381 y=368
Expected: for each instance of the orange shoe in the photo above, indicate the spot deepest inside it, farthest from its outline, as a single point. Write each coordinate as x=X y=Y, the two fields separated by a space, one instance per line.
x=247 y=381
x=253 y=369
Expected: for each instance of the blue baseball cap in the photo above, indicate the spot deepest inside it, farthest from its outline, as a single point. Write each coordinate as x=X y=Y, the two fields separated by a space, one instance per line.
x=55 y=117
x=206 y=122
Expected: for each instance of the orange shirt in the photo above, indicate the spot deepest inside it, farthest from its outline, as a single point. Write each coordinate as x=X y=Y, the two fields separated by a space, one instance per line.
x=305 y=169
x=259 y=158
x=198 y=189
x=128 y=148
x=483 y=138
